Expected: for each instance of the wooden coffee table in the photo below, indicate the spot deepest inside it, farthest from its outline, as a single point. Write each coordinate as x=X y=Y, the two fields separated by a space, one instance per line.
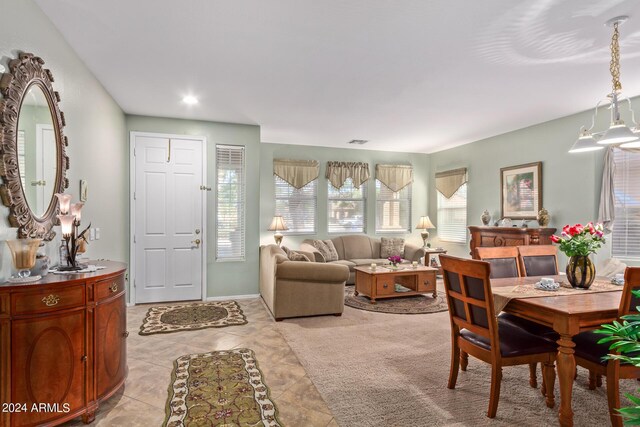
x=380 y=283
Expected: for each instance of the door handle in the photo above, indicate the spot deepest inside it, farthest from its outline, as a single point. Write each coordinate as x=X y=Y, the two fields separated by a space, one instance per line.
x=197 y=242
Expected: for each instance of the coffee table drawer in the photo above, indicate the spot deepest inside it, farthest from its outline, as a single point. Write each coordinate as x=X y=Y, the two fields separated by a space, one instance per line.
x=385 y=286
x=427 y=282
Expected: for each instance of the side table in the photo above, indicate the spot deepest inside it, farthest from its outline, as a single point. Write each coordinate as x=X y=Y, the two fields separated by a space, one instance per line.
x=432 y=260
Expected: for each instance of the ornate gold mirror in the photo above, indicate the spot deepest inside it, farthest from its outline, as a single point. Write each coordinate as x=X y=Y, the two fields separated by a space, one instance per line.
x=33 y=162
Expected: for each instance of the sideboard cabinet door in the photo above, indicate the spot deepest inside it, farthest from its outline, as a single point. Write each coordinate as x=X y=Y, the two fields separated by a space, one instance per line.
x=48 y=366
x=111 y=346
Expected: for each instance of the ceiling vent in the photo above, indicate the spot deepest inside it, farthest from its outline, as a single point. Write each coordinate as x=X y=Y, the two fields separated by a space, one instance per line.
x=358 y=141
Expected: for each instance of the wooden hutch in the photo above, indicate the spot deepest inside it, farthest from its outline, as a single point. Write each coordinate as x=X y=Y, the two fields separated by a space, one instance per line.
x=486 y=236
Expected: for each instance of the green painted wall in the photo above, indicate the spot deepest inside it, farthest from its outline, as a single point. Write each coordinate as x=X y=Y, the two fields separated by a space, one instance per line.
x=223 y=278
x=324 y=154
x=95 y=128
x=571 y=182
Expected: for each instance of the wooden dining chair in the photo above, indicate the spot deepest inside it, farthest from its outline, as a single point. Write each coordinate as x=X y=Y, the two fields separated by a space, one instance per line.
x=505 y=262
x=538 y=260
x=477 y=331
x=589 y=353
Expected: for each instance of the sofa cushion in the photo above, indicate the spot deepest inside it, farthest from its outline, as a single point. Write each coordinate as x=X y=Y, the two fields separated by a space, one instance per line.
x=295 y=256
x=357 y=246
x=391 y=246
x=328 y=252
x=345 y=262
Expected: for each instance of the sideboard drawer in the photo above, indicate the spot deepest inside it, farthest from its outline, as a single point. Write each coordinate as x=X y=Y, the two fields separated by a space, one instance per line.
x=109 y=287
x=385 y=286
x=44 y=300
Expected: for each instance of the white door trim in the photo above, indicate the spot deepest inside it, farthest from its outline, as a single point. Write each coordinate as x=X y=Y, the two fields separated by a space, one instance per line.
x=132 y=206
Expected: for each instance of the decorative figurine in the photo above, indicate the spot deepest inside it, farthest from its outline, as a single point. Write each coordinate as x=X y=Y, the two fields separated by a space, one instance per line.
x=486 y=217
x=543 y=217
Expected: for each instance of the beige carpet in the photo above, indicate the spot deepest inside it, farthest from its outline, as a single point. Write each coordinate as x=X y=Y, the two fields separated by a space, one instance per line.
x=378 y=369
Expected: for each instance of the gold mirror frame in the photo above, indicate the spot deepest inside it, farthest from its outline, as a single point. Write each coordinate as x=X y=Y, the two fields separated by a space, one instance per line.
x=25 y=71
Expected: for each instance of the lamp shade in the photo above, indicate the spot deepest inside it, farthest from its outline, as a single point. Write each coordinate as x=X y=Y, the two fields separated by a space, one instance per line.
x=66 y=224
x=64 y=200
x=76 y=210
x=277 y=224
x=424 y=223
x=618 y=134
x=586 y=142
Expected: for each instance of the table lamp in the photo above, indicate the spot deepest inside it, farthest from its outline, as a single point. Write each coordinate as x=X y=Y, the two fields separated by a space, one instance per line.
x=277 y=225
x=425 y=224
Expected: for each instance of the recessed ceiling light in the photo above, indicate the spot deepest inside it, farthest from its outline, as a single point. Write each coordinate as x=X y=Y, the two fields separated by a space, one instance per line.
x=190 y=100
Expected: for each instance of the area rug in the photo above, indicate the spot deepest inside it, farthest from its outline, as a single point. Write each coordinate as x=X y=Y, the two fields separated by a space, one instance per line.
x=189 y=317
x=416 y=304
x=379 y=370
x=220 y=388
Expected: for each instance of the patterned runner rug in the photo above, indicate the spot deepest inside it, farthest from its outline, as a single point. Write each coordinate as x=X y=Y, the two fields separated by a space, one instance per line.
x=220 y=388
x=417 y=304
x=189 y=317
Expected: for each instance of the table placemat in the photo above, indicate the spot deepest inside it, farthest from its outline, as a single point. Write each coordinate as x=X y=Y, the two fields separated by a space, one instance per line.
x=502 y=295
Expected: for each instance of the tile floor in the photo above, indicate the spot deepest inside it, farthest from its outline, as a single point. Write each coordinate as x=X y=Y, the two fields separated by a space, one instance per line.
x=150 y=360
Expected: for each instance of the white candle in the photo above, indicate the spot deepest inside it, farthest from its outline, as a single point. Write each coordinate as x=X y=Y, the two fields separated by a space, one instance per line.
x=414 y=264
x=373 y=266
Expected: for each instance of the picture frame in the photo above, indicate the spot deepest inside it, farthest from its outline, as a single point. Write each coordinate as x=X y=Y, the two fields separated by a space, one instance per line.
x=521 y=191
x=84 y=189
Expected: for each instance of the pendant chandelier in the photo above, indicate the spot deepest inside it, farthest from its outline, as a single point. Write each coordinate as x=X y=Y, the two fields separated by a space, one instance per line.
x=618 y=133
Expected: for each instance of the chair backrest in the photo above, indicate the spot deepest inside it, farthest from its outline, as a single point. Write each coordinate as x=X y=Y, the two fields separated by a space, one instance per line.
x=629 y=302
x=469 y=296
x=538 y=260
x=504 y=260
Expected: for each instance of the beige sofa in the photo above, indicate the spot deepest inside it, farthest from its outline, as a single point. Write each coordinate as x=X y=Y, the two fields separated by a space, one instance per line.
x=356 y=250
x=300 y=288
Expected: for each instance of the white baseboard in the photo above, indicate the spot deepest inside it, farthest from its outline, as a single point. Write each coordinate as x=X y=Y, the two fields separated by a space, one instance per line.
x=248 y=296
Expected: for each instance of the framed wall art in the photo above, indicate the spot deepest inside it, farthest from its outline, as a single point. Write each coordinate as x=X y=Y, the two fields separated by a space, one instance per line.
x=521 y=191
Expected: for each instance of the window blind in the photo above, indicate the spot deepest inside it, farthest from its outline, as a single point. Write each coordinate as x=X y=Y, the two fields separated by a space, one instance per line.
x=393 y=209
x=346 y=208
x=625 y=237
x=230 y=203
x=452 y=216
x=297 y=206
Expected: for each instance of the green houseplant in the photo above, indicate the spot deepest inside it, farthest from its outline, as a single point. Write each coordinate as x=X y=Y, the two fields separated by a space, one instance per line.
x=624 y=337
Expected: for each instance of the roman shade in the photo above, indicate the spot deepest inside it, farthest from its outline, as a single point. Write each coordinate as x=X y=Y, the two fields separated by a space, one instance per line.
x=338 y=172
x=298 y=173
x=448 y=182
x=395 y=177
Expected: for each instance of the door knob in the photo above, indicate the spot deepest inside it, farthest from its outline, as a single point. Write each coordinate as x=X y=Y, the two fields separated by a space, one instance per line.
x=197 y=242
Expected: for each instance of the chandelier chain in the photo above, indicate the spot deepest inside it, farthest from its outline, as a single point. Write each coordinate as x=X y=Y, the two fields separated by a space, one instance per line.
x=614 y=66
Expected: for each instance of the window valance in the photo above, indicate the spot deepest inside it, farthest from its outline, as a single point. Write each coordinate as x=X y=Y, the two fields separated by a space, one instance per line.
x=338 y=172
x=395 y=177
x=606 y=211
x=448 y=182
x=298 y=173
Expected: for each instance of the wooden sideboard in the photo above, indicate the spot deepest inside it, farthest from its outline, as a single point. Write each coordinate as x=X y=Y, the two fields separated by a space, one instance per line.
x=485 y=236
x=62 y=346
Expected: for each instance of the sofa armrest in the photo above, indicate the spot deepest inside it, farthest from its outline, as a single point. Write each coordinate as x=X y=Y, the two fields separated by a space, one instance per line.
x=414 y=252
x=307 y=248
x=309 y=255
x=312 y=272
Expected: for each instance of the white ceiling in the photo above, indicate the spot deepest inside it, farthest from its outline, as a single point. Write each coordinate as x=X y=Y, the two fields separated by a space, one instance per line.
x=408 y=75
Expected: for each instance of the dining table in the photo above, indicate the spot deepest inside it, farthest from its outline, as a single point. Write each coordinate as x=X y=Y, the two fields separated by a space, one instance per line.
x=568 y=315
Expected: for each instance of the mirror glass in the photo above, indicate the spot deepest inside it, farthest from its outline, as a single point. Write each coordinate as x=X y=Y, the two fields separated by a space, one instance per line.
x=36 y=150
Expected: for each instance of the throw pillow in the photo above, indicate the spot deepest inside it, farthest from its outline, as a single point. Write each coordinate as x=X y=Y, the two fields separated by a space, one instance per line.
x=333 y=253
x=295 y=256
x=324 y=249
x=391 y=246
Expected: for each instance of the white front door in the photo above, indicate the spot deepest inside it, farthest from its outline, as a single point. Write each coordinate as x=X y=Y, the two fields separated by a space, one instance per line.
x=168 y=236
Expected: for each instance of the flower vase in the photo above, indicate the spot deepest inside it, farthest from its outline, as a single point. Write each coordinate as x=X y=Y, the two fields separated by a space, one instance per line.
x=581 y=271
